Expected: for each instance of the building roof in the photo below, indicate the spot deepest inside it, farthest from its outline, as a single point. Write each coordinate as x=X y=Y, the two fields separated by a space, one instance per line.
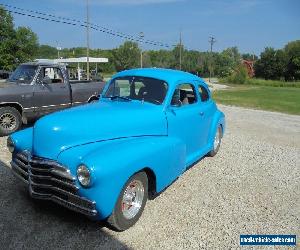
x=82 y=60
x=75 y=60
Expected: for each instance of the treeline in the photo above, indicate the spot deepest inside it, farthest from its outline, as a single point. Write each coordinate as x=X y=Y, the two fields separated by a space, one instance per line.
x=281 y=64
x=127 y=56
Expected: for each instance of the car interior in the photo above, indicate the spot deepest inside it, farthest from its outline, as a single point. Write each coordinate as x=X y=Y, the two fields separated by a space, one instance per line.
x=184 y=95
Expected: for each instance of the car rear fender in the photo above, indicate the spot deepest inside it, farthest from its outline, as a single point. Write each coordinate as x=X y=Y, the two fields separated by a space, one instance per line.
x=218 y=119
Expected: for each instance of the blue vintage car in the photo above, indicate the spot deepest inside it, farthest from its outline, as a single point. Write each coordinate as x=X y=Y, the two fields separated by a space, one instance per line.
x=106 y=159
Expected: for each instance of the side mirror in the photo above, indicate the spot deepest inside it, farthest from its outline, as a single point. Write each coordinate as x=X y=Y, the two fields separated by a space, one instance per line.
x=46 y=80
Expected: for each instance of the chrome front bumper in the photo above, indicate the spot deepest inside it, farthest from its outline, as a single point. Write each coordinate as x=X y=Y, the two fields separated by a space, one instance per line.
x=48 y=180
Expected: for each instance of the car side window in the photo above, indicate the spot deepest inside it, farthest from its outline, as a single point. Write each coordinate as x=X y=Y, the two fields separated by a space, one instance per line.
x=54 y=74
x=184 y=94
x=203 y=92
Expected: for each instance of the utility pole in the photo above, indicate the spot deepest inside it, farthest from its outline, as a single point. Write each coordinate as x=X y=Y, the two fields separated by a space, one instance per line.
x=87 y=41
x=58 y=49
x=180 y=50
x=211 y=40
x=141 y=35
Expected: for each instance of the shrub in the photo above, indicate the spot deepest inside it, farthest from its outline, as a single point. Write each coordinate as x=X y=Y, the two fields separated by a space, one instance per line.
x=239 y=76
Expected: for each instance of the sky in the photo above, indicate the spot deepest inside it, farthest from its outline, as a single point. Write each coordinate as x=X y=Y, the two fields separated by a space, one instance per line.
x=251 y=25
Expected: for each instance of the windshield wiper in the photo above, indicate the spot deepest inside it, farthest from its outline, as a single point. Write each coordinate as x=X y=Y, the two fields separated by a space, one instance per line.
x=119 y=97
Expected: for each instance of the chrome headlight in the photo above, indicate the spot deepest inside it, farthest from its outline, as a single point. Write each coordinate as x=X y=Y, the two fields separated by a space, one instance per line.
x=83 y=175
x=10 y=145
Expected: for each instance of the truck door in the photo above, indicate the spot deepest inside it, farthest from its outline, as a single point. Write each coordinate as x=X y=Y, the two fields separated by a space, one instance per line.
x=53 y=94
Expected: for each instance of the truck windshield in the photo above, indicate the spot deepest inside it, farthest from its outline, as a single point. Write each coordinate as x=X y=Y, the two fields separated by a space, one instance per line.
x=23 y=74
x=137 y=88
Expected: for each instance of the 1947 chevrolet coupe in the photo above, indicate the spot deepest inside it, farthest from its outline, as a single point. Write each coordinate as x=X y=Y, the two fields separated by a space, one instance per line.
x=106 y=159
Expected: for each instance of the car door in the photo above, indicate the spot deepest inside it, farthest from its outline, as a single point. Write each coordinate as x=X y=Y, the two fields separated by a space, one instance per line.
x=206 y=109
x=53 y=95
x=186 y=119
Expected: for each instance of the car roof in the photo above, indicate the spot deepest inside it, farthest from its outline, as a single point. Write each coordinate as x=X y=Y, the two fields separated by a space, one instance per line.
x=169 y=75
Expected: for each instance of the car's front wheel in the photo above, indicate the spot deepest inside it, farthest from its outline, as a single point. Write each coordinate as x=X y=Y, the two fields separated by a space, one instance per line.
x=217 y=142
x=131 y=202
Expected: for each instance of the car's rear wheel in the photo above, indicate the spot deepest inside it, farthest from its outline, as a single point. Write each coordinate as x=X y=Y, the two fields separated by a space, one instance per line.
x=10 y=120
x=131 y=203
x=217 y=142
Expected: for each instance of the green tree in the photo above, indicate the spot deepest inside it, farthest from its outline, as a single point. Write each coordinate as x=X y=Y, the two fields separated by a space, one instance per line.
x=7 y=34
x=292 y=51
x=26 y=45
x=239 y=75
x=226 y=61
x=16 y=45
x=47 y=52
x=271 y=65
x=126 y=56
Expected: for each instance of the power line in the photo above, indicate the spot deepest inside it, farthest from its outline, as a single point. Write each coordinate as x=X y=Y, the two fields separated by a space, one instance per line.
x=75 y=22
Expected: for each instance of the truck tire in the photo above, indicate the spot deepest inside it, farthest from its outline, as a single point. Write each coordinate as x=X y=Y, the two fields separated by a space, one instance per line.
x=10 y=120
x=131 y=203
x=217 y=142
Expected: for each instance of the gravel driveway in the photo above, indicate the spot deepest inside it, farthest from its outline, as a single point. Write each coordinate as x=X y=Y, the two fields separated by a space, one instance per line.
x=251 y=187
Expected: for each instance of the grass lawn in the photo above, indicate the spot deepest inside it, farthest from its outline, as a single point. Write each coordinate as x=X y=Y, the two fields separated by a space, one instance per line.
x=286 y=100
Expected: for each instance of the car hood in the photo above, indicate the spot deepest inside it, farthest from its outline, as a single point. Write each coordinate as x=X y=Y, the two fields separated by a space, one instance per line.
x=104 y=120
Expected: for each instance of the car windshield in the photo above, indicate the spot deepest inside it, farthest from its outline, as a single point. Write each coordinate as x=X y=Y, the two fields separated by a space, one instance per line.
x=23 y=74
x=137 y=88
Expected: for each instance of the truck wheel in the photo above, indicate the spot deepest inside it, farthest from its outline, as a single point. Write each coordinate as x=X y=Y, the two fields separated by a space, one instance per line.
x=10 y=120
x=131 y=203
x=217 y=142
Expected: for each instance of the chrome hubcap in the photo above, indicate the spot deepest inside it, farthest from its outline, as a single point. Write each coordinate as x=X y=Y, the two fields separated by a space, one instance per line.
x=217 y=139
x=132 y=199
x=8 y=121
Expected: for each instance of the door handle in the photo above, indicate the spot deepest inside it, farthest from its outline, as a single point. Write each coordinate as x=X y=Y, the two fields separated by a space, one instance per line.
x=201 y=113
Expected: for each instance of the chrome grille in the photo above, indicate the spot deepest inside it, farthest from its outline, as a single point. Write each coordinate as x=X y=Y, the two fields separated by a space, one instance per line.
x=49 y=180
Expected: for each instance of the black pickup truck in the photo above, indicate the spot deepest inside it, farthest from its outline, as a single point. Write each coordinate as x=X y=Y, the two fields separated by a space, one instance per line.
x=35 y=89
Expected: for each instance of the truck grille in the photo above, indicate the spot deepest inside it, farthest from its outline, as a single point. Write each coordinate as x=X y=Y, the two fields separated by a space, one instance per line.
x=48 y=180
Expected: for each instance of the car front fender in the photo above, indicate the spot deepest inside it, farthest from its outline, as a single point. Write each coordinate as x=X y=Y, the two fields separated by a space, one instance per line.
x=113 y=162
x=23 y=140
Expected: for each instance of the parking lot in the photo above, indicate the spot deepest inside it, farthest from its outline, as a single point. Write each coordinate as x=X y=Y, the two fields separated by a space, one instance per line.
x=251 y=187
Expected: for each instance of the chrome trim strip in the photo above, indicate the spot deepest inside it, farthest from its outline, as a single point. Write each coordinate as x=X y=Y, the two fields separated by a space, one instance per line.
x=21 y=163
x=20 y=170
x=78 y=102
x=19 y=177
x=75 y=207
x=47 y=106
